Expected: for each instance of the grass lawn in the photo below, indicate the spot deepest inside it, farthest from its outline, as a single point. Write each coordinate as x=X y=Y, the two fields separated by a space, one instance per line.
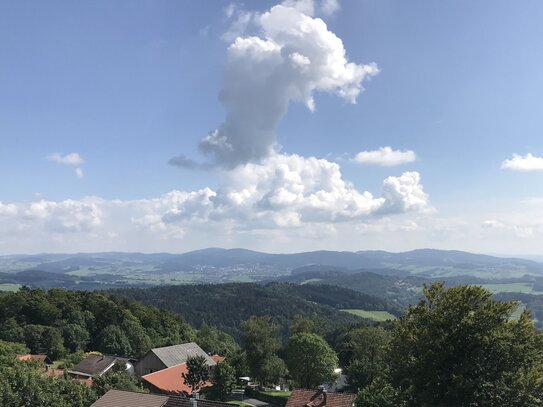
x=275 y=393
x=238 y=403
x=374 y=315
x=311 y=280
x=525 y=288
x=10 y=287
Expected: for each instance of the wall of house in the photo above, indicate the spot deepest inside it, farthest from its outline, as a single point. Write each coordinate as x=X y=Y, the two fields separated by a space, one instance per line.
x=148 y=364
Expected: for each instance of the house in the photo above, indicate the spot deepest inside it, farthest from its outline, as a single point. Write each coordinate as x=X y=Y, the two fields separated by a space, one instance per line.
x=170 y=380
x=119 y=398
x=178 y=401
x=319 y=398
x=46 y=364
x=218 y=358
x=92 y=365
x=162 y=358
x=44 y=359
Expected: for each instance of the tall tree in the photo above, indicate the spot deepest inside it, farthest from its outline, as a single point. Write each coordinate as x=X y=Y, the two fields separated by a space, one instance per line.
x=224 y=380
x=459 y=347
x=260 y=336
x=197 y=372
x=368 y=349
x=310 y=360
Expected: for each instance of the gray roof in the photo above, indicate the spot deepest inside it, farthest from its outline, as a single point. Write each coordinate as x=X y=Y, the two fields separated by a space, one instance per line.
x=93 y=365
x=177 y=354
x=180 y=401
x=118 y=398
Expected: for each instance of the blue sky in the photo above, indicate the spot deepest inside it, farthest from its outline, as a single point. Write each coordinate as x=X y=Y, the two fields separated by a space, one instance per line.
x=129 y=85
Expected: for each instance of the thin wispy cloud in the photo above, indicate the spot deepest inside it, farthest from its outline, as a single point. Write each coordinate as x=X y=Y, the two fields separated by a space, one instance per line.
x=68 y=159
x=526 y=163
x=385 y=157
x=72 y=159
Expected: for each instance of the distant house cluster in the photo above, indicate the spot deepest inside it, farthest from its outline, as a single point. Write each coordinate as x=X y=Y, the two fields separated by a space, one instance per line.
x=298 y=398
x=161 y=371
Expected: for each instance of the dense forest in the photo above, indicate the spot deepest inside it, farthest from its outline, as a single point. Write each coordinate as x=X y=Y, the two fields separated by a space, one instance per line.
x=493 y=355
x=58 y=322
x=225 y=306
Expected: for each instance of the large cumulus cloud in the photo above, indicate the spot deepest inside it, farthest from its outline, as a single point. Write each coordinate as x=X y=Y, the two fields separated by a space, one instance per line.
x=294 y=56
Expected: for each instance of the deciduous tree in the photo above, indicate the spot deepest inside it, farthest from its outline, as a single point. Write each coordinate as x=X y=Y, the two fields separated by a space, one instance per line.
x=310 y=360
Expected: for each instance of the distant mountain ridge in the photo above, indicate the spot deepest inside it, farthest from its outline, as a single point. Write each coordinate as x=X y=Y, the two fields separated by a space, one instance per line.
x=259 y=266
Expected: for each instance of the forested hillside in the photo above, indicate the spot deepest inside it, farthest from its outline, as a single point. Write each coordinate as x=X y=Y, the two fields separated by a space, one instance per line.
x=58 y=322
x=226 y=305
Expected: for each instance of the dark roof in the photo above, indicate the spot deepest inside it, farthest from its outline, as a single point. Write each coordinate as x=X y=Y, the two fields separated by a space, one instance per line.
x=93 y=365
x=179 y=401
x=316 y=398
x=177 y=354
x=118 y=398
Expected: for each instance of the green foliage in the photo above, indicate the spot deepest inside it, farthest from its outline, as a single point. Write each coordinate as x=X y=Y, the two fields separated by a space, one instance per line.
x=11 y=349
x=260 y=337
x=113 y=340
x=310 y=360
x=75 y=336
x=301 y=324
x=459 y=347
x=44 y=340
x=225 y=306
x=366 y=352
x=378 y=394
x=197 y=372
x=21 y=384
x=118 y=380
x=224 y=380
x=57 y=321
x=239 y=362
x=214 y=341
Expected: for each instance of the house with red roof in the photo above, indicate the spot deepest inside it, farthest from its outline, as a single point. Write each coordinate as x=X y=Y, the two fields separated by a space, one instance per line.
x=170 y=380
x=319 y=398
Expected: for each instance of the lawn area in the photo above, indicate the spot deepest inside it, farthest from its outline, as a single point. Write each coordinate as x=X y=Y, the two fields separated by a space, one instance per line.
x=374 y=315
x=525 y=288
x=274 y=393
x=311 y=280
x=10 y=287
x=238 y=403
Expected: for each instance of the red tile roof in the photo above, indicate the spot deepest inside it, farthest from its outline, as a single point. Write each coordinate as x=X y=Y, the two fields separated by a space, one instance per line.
x=218 y=358
x=170 y=380
x=316 y=398
x=39 y=358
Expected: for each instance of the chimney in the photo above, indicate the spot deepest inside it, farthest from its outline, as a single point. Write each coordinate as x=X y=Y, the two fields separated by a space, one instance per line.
x=194 y=399
x=322 y=391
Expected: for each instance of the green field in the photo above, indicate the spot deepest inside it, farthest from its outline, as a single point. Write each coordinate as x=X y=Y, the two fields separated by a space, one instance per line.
x=374 y=315
x=239 y=403
x=311 y=280
x=10 y=287
x=276 y=393
x=525 y=288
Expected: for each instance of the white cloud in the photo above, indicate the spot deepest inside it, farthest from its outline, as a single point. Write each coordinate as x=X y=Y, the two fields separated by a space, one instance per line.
x=293 y=56
x=329 y=7
x=312 y=7
x=79 y=172
x=528 y=162
x=385 y=156
x=290 y=190
x=69 y=159
x=66 y=216
x=283 y=193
